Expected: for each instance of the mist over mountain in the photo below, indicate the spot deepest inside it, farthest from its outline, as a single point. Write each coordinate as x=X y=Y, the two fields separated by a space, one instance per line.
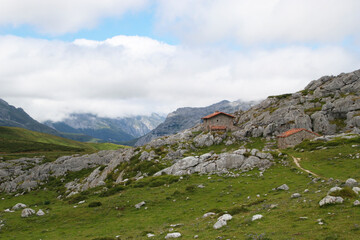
x=187 y=117
x=108 y=129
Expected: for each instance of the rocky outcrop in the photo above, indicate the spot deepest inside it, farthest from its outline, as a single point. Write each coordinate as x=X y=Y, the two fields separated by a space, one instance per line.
x=242 y=159
x=26 y=174
x=329 y=105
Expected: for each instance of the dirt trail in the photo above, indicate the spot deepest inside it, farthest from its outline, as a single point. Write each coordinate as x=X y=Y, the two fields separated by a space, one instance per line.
x=297 y=160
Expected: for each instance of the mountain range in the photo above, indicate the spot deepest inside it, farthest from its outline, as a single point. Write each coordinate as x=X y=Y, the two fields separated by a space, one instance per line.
x=108 y=129
x=188 y=117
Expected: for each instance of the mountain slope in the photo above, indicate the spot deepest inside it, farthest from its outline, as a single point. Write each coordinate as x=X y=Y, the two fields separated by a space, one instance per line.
x=16 y=117
x=107 y=129
x=187 y=117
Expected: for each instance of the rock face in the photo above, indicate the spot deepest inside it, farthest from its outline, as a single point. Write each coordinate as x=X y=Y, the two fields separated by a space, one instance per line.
x=328 y=105
x=212 y=163
x=185 y=118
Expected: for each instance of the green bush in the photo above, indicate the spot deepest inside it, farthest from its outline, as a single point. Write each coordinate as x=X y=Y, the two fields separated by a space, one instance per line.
x=190 y=188
x=112 y=191
x=94 y=204
x=155 y=181
x=346 y=192
x=237 y=209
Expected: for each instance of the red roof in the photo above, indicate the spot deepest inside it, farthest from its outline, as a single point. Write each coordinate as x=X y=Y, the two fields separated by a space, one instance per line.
x=215 y=114
x=293 y=131
x=218 y=127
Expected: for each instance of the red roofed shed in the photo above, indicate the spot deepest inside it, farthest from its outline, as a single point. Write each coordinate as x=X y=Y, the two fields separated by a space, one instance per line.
x=294 y=136
x=218 y=121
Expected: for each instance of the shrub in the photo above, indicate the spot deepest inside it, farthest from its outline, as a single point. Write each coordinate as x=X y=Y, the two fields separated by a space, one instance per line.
x=216 y=210
x=155 y=181
x=77 y=198
x=237 y=209
x=112 y=191
x=94 y=204
x=104 y=238
x=346 y=192
x=190 y=188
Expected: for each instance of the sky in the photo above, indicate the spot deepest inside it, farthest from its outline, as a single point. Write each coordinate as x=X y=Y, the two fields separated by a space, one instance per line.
x=119 y=58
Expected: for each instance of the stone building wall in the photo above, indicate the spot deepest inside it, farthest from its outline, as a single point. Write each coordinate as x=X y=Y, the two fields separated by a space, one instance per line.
x=219 y=120
x=295 y=139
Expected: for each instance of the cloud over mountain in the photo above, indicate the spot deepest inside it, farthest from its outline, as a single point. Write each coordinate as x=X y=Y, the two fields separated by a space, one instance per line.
x=137 y=75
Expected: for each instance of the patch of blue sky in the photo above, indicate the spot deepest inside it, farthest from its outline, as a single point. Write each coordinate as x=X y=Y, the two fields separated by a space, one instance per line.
x=130 y=24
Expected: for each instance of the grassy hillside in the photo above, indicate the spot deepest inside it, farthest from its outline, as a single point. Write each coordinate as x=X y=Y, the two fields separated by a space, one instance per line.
x=171 y=200
x=19 y=142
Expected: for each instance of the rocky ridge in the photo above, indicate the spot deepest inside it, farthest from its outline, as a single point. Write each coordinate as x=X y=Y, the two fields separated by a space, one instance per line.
x=328 y=105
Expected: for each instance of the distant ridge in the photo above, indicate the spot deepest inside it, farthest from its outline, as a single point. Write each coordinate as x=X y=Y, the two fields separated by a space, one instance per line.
x=188 y=117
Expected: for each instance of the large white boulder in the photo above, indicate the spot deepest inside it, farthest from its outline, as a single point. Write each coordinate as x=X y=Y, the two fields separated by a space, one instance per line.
x=18 y=206
x=40 y=213
x=222 y=221
x=351 y=182
x=27 y=212
x=140 y=204
x=256 y=217
x=330 y=200
x=283 y=187
x=173 y=235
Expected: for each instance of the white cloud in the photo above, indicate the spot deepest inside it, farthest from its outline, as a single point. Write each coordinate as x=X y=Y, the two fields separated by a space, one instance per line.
x=59 y=17
x=136 y=75
x=260 y=21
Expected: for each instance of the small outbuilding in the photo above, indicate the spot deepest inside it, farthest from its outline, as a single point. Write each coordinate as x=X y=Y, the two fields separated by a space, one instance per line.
x=294 y=136
x=218 y=121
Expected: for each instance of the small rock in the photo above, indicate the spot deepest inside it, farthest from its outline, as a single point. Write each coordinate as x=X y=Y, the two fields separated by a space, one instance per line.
x=173 y=235
x=303 y=218
x=140 y=204
x=219 y=224
x=330 y=200
x=356 y=203
x=27 y=212
x=200 y=186
x=306 y=190
x=351 y=182
x=18 y=206
x=149 y=235
x=334 y=189
x=196 y=236
x=256 y=217
x=296 y=195
x=8 y=210
x=81 y=202
x=356 y=190
x=283 y=187
x=208 y=214
x=40 y=213
x=222 y=221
